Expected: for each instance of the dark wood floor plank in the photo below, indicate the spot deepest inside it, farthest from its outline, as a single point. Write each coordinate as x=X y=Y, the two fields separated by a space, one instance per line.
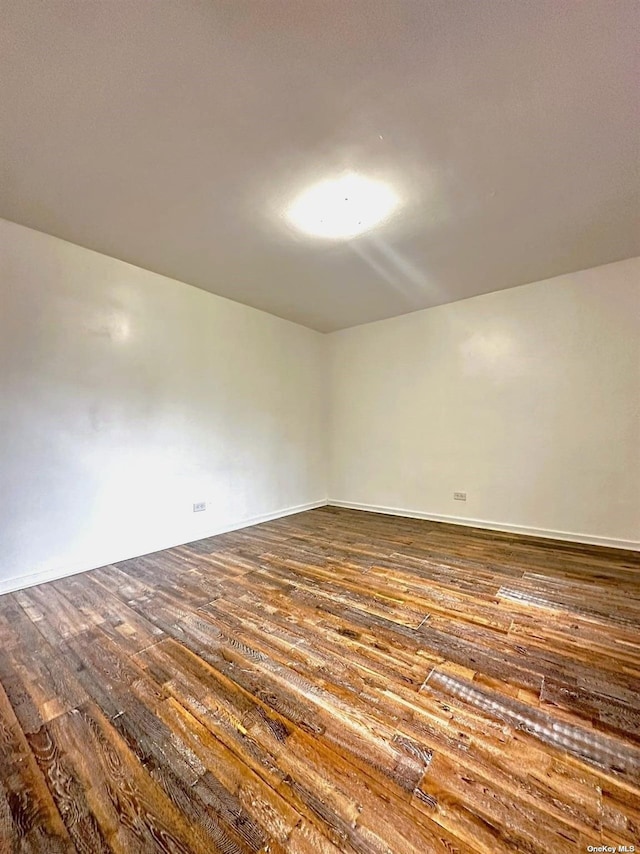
x=29 y=817
x=333 y=681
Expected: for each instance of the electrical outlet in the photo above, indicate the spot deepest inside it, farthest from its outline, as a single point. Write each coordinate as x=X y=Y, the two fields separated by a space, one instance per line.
x=199 y=507
x=459 y=496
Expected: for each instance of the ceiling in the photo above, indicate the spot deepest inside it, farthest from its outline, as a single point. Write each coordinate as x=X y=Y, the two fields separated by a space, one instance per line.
x=173 y=134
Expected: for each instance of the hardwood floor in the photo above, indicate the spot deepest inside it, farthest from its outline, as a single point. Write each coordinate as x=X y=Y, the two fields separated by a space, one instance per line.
x=332 y=681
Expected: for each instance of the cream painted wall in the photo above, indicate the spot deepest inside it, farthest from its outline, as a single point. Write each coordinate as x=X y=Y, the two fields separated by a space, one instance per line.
x=127 y=396
x=527 y=399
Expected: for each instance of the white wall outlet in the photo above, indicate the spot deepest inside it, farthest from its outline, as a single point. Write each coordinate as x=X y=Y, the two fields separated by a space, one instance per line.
x=459 y=496
x=200 y=506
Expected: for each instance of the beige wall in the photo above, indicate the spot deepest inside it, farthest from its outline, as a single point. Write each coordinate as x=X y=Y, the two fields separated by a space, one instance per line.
x=125 y=397
x=527 y=399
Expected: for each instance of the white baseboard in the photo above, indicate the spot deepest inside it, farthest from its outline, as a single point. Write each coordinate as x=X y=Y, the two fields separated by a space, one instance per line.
x=10 y=585
x=568 y=536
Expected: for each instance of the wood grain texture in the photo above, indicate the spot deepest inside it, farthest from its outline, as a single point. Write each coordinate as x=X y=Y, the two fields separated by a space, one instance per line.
x=335 y=681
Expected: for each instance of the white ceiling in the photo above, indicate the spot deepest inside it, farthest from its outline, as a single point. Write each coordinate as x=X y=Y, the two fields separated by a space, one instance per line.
x=173 y=133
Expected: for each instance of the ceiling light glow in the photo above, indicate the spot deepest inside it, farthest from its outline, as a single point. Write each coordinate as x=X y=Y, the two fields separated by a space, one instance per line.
x=343 y=207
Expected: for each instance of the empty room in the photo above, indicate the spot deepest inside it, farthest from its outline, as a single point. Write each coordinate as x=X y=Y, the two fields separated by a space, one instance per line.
x=319 y=426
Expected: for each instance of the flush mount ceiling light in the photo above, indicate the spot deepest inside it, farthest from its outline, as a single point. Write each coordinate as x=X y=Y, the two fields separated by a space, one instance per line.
x=343 y=207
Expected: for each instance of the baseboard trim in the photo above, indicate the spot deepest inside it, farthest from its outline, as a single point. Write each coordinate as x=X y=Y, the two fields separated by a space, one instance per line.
x=567 y=536
x=11 y=585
